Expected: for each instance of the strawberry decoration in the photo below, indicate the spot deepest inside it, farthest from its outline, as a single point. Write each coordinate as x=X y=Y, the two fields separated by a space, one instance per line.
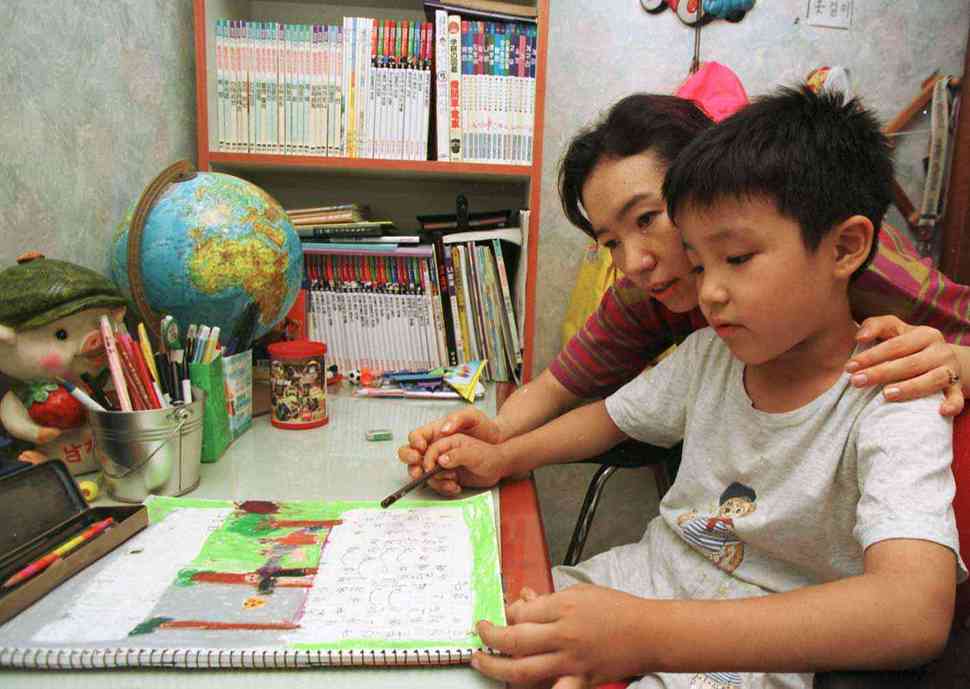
x=50 y=404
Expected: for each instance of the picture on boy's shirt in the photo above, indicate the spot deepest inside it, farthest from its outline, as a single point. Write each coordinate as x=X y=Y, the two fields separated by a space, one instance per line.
x=714 y=535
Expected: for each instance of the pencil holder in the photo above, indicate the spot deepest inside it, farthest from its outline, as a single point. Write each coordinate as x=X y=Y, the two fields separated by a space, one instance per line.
x=298 y=391
x=238 y=370
x=216 y=434
x=153 y=452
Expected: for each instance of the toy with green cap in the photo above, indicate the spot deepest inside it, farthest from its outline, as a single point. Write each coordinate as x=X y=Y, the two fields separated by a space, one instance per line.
x=49 y=315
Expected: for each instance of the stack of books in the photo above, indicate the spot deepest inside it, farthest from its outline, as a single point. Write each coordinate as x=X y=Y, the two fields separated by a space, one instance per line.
x=349 y=222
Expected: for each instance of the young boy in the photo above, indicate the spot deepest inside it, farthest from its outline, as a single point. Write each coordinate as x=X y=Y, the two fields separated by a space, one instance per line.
x=810 y=525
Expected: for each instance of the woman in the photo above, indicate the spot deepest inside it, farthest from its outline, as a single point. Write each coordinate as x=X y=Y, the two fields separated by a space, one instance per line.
x=610 y=185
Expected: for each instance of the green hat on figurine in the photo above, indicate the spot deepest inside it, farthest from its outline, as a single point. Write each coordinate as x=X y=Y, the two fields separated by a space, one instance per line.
x=40 y=290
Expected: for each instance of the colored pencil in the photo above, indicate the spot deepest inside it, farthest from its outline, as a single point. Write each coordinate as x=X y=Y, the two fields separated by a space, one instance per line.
x=60 y=551
x=114 y=364
x=146 y=350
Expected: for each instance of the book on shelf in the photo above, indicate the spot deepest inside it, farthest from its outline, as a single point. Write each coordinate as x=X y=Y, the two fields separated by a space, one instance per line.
x=485 y=9
x=454 y=87
x=342 y=213
x=476 y=220
x=442 y=110
x=364 y=228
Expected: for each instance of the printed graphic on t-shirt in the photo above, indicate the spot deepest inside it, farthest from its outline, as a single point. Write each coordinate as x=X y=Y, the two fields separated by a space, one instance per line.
x=714 y=535
x=716 y=680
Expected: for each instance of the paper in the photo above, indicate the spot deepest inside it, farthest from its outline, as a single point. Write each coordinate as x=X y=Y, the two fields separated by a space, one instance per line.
x=341 y=579
x=832 y=14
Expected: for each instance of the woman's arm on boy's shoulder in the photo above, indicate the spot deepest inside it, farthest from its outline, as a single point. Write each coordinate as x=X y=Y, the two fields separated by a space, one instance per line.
x=912 y=361
x=895 y=615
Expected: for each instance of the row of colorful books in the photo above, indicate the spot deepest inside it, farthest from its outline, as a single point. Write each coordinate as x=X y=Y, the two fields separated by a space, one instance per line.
x=359 y=90
x=485 y=99
x=365 y=89
x=416 y=307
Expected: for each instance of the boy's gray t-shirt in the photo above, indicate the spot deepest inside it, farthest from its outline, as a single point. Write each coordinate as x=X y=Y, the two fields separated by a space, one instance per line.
x=790 y=499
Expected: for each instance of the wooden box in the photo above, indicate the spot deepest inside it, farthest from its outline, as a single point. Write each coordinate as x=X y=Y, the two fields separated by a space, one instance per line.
x=40 y=509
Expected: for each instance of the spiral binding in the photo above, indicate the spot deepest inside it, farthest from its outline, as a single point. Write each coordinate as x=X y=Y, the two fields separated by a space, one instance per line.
x=207 y=658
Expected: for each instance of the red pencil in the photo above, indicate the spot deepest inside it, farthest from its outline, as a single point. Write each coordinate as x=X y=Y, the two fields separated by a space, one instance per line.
x=139 y=396
x=141 y=367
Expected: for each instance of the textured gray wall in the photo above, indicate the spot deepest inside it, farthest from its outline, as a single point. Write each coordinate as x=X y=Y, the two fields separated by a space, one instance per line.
x=98 y=98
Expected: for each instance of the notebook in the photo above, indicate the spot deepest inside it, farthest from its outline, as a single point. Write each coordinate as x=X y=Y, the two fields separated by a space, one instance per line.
x=263 y=584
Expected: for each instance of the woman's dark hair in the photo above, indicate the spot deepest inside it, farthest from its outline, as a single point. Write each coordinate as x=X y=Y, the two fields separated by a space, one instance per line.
x=642 y=122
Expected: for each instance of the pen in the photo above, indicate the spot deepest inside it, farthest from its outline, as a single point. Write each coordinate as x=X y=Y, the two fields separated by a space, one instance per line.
x=60 y=551
x=96 y=392
x=81 y=396
x=404 y=490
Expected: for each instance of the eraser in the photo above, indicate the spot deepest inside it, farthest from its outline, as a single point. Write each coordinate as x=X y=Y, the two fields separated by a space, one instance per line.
x=379 y=434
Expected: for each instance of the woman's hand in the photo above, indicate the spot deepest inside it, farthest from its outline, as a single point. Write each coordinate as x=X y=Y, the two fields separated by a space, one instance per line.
x=470 y=421
x=911 y=362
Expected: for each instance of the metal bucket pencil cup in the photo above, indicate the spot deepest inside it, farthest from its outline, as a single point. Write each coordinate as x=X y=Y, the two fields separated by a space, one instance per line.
x=154 y=452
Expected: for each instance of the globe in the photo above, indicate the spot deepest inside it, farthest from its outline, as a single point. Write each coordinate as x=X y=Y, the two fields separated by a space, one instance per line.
x=211 y=246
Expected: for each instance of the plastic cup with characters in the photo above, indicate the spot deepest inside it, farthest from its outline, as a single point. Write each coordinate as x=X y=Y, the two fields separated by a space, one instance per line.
x=297 y=384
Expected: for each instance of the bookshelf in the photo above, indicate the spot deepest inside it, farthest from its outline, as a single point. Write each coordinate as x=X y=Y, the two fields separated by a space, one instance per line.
x=394 y=189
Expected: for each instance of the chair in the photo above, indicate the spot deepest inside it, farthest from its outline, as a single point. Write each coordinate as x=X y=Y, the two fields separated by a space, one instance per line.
x=630 y=454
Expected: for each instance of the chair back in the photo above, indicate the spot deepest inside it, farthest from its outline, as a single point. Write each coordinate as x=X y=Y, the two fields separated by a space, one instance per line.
x=961 y=507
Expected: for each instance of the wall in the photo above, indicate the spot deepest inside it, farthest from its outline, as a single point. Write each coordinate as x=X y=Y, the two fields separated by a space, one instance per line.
x=602 y=51
x=98 y=98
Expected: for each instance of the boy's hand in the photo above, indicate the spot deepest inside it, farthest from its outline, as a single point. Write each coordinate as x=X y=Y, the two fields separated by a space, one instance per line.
x=469 y=421
x=912 y=362
x=582 y=635
x=470 y=462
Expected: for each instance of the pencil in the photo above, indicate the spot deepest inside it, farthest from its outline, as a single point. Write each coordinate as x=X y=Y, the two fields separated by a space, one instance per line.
x=114 y=364
x=60 y=551
x=404 y=490
x=146 y=350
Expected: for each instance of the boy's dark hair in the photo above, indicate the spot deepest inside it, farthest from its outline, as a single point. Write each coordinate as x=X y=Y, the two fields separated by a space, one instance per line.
x=819 y=158
x=638 y=123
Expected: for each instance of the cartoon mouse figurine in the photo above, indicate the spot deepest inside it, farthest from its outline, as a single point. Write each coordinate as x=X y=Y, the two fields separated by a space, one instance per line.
x=49 y=329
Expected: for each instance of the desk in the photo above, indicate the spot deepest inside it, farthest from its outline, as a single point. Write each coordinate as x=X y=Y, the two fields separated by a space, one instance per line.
x=333 y=462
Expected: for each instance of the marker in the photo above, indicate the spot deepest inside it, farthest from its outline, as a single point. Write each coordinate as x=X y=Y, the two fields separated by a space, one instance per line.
x=81 y=396
x=210 y=345
x=60 y=551
x=201 y=336
x=404 y=490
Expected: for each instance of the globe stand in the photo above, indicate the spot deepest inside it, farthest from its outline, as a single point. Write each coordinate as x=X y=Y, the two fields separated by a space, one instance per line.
x=181 y=171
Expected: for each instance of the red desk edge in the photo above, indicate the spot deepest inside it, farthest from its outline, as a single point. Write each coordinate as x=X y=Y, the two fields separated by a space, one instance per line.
x=525 y=554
